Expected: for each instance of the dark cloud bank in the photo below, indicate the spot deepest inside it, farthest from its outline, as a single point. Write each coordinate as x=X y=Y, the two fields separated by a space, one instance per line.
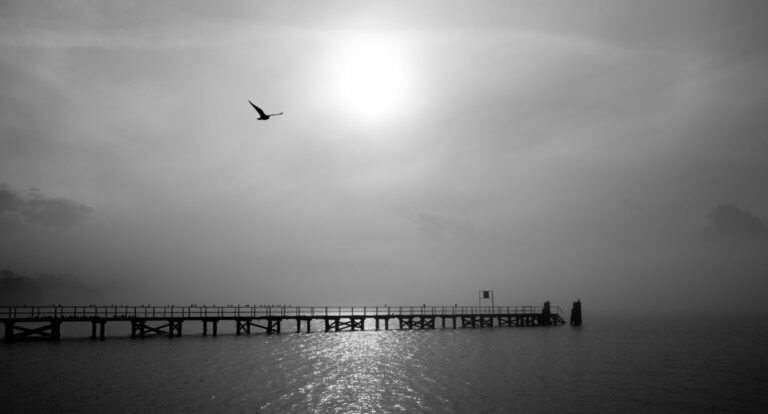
x=730 y=223
x=16 y=289
x=18 y=214
x=17 y=210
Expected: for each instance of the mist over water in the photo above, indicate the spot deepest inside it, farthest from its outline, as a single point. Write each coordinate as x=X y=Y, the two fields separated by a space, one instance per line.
x=640 y=364
x=614 y=154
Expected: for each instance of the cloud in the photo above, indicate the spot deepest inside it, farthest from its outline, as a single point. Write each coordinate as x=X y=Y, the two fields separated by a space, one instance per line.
x=729 y=222
x=35 y=208
x=438 y=228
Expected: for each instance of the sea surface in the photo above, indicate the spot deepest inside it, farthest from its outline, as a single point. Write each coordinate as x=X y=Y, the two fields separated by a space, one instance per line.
x=609 y=365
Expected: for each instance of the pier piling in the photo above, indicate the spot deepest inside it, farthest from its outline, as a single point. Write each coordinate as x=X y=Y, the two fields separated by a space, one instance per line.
x=576 y=313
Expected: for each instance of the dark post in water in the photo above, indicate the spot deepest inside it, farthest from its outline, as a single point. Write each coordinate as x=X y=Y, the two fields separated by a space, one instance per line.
x=546 y=314
x=576 y=313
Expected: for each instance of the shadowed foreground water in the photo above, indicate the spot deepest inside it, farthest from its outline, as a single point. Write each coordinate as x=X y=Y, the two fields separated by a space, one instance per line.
x=647 y=365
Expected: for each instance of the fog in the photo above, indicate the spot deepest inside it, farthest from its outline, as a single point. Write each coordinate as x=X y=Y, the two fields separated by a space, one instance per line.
x=612 y=152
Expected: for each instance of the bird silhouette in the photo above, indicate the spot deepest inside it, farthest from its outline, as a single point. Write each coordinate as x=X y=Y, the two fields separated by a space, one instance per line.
x=262 y=116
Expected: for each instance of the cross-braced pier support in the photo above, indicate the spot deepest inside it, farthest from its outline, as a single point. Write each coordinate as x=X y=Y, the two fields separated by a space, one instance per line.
x=50 y=330
x=243 y=325
x=140 y=328
x=417 y=322
x=345 y=324
x=507 y=320
x=477 y=321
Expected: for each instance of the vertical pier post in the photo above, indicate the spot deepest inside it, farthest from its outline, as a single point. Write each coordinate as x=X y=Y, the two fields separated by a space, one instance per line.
x=546 y=315
x=8 y=331
x=174 y=327
x=56 y=329
x=576 y=313
x=100 y=322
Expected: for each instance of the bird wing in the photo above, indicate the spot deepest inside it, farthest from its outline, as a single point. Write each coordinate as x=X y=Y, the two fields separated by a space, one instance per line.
x=257 y=108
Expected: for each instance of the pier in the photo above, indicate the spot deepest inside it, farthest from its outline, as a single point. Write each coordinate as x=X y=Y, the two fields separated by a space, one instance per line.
x=45 y=322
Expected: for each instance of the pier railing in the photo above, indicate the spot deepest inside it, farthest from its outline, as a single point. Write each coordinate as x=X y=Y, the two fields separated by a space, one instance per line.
x=116 y=312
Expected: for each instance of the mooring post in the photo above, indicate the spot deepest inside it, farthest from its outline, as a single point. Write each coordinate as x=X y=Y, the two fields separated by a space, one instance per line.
x=55 y=329
x=576 y=313
x=546 y=315
x=8 y=331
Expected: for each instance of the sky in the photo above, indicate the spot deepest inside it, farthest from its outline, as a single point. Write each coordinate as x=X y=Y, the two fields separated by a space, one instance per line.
x=608 y=151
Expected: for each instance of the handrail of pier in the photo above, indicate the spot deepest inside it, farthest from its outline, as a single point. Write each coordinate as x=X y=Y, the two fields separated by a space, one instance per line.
x=117 y=312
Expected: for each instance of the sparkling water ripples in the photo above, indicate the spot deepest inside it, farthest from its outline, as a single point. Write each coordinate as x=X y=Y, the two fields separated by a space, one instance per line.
x=608 y=365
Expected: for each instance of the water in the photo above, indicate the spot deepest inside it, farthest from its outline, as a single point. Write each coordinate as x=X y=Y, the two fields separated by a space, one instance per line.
x=628 y=365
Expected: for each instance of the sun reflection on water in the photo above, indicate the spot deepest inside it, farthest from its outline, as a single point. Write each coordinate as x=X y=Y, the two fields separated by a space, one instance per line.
x=360 y=373
x=609 y=366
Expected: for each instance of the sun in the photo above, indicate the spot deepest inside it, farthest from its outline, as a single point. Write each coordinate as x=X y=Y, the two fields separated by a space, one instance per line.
x=373 y=78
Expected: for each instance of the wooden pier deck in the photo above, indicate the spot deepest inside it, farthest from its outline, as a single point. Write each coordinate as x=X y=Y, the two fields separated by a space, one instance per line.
x=45 y=322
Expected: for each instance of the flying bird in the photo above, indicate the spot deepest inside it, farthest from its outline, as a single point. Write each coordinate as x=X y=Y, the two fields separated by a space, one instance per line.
x=262 y=116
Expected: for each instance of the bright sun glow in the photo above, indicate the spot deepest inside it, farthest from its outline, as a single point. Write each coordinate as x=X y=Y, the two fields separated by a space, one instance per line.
x=373 y=78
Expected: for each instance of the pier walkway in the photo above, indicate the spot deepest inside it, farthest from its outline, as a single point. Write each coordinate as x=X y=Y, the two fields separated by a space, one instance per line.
x=44 y=322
